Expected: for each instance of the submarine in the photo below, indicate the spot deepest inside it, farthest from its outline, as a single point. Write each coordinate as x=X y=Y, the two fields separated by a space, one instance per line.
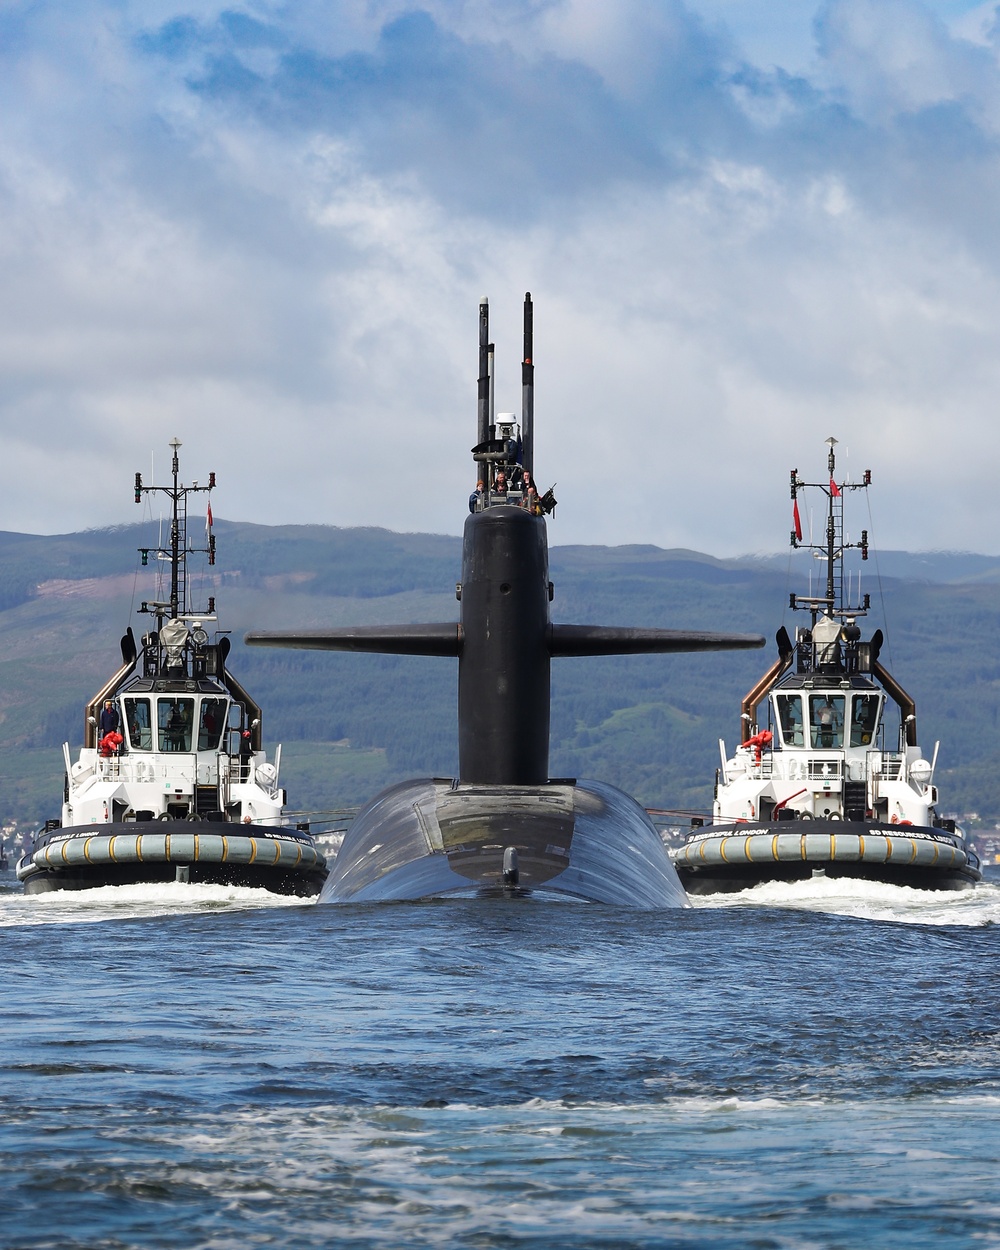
x=503 y=826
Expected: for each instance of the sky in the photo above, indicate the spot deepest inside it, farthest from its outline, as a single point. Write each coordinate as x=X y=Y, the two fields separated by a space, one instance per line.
x=265 y=228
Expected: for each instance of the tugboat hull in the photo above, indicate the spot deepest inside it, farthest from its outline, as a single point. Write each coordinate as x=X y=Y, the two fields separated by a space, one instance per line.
x=584 y=840
x=727 y=858
x=218 y=853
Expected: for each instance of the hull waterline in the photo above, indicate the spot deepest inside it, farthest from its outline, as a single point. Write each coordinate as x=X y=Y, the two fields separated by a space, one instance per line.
x=729 y=858
x=141 y=852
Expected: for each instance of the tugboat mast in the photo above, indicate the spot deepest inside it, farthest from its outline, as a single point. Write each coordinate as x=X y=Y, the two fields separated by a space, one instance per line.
x=177 y=607
x=835 y=602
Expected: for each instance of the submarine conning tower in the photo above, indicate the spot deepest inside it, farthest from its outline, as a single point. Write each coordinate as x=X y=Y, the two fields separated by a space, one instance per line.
x=503 y=671
x=504 y=640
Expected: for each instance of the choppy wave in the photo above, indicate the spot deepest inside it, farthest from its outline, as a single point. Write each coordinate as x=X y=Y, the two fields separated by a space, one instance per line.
x=719 y=1172
x=228 y=1068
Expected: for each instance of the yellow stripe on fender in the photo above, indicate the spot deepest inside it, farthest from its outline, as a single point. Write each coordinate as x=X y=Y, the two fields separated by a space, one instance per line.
x=774 y=847
x=253 y=849
x=111 y=848
x=225 y=848
x=722 y=851
x=86 y=849
x=138 y=848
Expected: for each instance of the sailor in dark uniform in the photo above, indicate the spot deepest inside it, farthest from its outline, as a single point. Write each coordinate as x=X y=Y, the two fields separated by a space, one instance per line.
x=110 y=720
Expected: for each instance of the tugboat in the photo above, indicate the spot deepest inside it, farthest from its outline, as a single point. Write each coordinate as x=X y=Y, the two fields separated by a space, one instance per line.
x=172 y=783
x=825 y=785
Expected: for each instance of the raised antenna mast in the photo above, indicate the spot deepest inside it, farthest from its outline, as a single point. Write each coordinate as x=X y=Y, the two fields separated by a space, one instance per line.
x=483 y=405
x=175 y=534
x=177 y=607
x=528 y=390
x=836 y=601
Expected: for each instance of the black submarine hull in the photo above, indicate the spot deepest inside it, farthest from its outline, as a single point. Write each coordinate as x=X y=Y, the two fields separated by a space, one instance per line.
x=583 y=840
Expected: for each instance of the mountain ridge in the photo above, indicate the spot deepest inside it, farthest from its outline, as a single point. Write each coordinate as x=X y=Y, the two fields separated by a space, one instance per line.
x=58 y=646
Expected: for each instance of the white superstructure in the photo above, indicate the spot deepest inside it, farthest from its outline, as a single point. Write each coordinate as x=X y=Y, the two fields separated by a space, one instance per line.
x=826 y=749
x=185 y=754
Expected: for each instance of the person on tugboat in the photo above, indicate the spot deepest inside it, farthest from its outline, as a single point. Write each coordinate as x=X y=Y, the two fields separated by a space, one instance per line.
x=110 y=721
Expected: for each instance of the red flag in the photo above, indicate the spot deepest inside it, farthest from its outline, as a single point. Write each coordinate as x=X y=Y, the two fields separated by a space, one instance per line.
x=834 y=489
x=797 y=519
x=208 y=518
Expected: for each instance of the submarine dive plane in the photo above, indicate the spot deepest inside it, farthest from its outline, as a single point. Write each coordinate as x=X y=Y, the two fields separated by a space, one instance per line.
x=503 y=825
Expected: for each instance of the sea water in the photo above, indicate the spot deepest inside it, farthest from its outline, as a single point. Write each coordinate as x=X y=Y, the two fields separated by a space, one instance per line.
x=812 y=1065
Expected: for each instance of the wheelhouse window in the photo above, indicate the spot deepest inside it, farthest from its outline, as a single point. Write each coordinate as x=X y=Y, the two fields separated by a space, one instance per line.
x=211 y=724
x=139 y=724
x=864 y=719
x=175 y=718
x=826 y=720
x=790 y=719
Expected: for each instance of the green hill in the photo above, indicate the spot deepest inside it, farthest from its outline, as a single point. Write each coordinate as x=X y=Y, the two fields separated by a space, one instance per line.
x=351 y=724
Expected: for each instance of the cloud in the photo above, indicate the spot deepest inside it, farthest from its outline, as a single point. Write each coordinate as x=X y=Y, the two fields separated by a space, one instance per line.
x=265 y=228
x=891 y=57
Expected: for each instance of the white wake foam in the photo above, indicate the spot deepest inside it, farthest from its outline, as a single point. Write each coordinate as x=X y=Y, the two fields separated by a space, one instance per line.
x=123 y=902
x=870 y=900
